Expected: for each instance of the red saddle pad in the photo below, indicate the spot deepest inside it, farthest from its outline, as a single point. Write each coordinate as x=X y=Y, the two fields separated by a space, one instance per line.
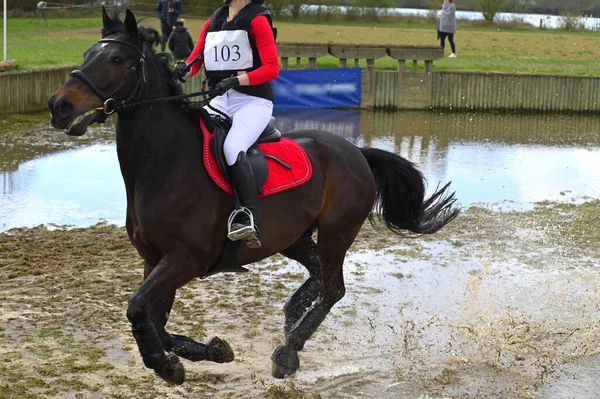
x=279 y=178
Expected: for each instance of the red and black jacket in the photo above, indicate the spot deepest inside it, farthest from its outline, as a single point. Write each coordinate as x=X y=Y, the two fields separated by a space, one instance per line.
x=242 y=21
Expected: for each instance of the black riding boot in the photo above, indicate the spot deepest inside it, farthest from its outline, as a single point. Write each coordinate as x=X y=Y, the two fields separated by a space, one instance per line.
x=242 y=179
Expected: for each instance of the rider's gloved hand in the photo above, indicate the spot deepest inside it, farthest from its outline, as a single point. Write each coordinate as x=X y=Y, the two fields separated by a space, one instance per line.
x=226 y=84
x=180 y=70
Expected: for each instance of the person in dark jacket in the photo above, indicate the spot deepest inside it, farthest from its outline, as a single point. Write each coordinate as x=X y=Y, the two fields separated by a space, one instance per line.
x=180 y=41
x=167 y=11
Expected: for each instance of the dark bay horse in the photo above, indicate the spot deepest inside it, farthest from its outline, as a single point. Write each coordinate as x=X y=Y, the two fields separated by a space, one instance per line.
x=177 y=217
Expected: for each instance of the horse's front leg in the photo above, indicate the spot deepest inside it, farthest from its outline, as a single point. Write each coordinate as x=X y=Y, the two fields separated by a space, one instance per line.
x=215 y=350
x=171 y=272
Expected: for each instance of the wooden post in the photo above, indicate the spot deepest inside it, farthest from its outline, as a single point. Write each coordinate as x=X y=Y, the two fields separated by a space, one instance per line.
x=284 y=63
x=370 y=64
x=400 y=92
x=371 y=70
x=428 y=67
x=401 y=66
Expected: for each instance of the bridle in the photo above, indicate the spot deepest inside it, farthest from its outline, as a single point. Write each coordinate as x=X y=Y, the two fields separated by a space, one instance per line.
x=110 y=105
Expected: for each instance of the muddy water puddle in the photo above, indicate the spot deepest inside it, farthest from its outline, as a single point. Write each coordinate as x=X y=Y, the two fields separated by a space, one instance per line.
x=510 y=160
x=503 y=303
x=466 y=313
x=471 y=327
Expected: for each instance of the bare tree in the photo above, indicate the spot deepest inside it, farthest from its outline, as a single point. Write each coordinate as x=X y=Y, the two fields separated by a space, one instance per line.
x=489 y=8
x=295 y=8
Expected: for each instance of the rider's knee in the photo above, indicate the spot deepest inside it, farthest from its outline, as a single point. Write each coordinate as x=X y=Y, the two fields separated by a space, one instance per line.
x=231 y=151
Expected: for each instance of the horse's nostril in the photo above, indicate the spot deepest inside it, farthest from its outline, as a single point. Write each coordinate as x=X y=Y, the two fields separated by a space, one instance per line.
x=63 y=106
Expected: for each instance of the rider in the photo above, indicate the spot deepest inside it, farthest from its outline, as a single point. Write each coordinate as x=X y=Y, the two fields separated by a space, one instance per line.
x=237 y=46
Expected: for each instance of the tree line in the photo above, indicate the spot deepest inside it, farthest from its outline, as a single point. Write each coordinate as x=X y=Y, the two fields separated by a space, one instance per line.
x=296 y=8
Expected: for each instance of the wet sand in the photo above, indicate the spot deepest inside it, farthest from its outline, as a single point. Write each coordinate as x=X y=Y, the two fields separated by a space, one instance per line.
x=498 y=304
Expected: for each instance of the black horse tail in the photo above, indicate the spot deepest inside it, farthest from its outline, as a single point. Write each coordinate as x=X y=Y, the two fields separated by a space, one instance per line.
x=400 y=200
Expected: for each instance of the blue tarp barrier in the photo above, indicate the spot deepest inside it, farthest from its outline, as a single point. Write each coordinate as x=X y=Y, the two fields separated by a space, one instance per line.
x=318 y=88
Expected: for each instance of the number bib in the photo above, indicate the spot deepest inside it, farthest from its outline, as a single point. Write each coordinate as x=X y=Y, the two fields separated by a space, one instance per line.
x=228 y=50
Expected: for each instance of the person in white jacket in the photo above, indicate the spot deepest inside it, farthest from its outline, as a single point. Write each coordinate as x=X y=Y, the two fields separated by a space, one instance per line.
x=446 y=25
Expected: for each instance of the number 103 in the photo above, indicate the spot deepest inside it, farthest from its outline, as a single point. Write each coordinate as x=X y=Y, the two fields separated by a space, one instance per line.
x=227 y=52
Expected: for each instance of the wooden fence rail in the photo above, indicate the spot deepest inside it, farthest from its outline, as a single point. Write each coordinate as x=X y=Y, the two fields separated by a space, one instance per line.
x=357 y=52
x=463 y=91
x=28 y=91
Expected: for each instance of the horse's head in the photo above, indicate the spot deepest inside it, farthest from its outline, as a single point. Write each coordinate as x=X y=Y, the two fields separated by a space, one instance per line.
x=112 y=72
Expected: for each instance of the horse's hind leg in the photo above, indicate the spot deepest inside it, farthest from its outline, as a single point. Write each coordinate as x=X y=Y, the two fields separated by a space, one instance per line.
x=332 y=245
x=304 y=250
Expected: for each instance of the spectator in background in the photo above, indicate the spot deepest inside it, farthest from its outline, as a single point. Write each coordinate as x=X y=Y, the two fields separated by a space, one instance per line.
x=167 y=11
x=446 y=25
x=180 y=41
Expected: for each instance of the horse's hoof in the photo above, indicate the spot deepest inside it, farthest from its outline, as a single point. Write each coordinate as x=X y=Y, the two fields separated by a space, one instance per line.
x=172 y=370
x=253 y=242
x=285 y=362
x=219 y=351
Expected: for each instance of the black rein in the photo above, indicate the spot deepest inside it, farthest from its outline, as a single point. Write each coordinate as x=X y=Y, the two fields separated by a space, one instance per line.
x=110 y=104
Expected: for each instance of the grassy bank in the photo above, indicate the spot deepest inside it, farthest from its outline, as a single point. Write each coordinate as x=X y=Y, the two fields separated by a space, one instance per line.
x=481 y=49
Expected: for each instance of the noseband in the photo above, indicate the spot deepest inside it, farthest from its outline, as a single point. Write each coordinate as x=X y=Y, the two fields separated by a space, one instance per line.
x=110 y=104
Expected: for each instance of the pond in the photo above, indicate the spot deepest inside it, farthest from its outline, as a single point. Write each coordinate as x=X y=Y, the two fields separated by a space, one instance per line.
x=499 y=160
x=537 y=20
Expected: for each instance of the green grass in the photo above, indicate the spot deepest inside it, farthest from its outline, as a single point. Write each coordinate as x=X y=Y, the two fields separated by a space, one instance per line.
x=480 y=48
x=61 y=43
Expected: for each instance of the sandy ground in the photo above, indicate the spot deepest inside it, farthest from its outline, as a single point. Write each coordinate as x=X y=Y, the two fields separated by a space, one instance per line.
x=498 y=304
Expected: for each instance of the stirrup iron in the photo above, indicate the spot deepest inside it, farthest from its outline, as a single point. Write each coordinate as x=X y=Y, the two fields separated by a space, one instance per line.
x=236 y=231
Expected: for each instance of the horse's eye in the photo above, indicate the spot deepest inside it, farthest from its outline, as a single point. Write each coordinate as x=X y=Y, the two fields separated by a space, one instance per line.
x=118 y=60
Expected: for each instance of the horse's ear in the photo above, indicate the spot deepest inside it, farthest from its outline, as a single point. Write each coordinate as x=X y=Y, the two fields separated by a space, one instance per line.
x=131 y=24
x=106 y=21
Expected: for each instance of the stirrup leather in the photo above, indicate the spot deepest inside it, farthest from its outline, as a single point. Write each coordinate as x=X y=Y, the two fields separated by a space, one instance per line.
x=237 y=231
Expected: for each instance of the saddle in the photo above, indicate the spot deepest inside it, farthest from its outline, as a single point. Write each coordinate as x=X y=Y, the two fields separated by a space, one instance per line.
x=278 y=163
x=220 y=126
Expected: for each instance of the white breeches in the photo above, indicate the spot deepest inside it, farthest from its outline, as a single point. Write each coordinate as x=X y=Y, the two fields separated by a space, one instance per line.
x=249 y=114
